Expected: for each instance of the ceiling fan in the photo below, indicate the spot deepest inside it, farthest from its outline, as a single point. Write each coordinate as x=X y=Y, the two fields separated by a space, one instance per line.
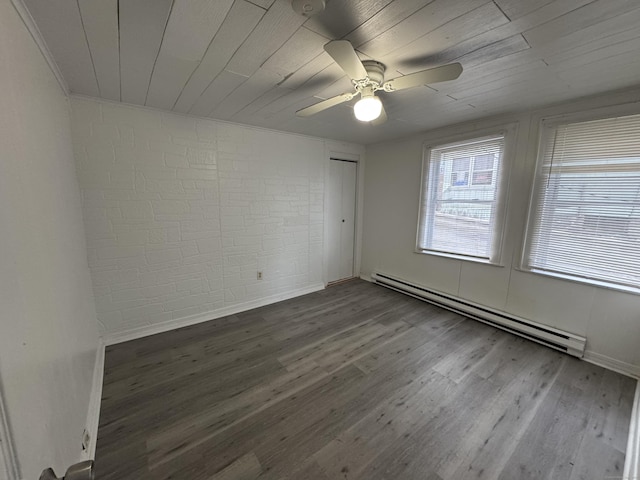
x=367 y=77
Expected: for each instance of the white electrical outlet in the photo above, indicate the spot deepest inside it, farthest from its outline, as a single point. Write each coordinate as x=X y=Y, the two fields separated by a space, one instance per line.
x=259 y=275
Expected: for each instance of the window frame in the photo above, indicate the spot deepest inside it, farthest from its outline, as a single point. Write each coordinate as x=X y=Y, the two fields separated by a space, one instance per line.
x=509 y=132
x=543 y=124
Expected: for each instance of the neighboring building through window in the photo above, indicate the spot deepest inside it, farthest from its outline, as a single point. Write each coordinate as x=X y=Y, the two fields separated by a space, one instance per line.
x=460 y=199
x=584 y=220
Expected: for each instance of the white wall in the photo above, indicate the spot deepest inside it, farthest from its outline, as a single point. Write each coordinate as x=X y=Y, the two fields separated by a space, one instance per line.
x=609 y=319
x=48 y=332
x=181 y=213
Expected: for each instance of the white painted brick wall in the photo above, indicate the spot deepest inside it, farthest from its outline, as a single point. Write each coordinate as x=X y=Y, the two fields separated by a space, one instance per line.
x=181 y=213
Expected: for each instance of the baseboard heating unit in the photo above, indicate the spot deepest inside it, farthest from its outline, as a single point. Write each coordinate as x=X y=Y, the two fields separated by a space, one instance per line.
x=549 y=336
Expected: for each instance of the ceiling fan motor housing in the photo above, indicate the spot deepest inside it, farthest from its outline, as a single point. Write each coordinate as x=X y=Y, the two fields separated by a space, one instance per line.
x=375 y=71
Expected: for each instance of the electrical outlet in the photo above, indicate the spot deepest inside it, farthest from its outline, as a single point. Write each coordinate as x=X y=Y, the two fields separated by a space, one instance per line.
x=86 y=440
x=259 y=275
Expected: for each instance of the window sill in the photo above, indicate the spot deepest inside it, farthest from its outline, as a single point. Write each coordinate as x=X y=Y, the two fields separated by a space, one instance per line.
x=483 y=261
x=583 y=281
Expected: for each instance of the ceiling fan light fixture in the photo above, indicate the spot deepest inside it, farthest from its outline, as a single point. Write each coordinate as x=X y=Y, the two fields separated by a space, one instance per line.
x=367 y=108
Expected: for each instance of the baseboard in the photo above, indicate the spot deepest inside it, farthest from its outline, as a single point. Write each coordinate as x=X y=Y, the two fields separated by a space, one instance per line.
x=612 y=364
x=93 y=413
x=632 y=459
x=147 y=330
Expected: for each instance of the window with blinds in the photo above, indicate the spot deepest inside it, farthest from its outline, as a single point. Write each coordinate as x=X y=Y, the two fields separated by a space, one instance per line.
x=585 y=212
x=460 y=199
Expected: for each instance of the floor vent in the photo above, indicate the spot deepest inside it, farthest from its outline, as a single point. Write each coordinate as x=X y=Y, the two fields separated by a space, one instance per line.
x=549 y=336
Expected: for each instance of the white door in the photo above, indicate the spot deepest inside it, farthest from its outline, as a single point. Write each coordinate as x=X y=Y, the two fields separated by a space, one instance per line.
x=341 y=218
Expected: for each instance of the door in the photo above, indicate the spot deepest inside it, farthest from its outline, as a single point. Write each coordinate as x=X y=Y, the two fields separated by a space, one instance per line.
x=341 y=217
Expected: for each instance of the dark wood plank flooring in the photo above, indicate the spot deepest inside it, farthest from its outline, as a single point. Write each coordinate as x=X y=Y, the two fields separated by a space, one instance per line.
x=356 y=382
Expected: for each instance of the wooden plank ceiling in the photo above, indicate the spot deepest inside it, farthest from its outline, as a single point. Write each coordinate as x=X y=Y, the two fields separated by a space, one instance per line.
x=256 y=61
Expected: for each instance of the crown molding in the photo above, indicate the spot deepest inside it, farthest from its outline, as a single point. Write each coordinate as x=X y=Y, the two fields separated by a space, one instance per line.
x=33 y=29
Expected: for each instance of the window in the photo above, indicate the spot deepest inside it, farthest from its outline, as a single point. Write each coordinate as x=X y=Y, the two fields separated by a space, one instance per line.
x=483 y=169
x=584 y=221
x=460 y=205
x=460 y=172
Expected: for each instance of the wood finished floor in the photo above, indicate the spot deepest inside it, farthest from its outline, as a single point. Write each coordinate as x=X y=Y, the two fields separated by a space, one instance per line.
x=356 y=382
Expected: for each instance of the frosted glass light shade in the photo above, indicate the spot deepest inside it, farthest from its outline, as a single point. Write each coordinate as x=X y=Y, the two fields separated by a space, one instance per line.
x=367 y=108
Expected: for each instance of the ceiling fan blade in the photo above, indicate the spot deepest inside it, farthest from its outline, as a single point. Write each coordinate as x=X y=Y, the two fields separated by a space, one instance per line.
x=323 y=105
x=424 y=77
x=346 y=57
x=381 y=119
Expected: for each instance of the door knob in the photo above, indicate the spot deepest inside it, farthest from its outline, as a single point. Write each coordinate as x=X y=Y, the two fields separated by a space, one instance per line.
x=343 y=220
x=79 y=471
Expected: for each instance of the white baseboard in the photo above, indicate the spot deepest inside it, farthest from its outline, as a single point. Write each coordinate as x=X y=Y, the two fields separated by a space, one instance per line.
x=147 y=330
x=366 y=277
x=93 y=413
x=632 y=459
x=612 y=364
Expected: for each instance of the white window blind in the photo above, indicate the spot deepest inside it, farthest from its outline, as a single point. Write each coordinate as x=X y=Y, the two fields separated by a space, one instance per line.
x=585 y=213
x=460 y=195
